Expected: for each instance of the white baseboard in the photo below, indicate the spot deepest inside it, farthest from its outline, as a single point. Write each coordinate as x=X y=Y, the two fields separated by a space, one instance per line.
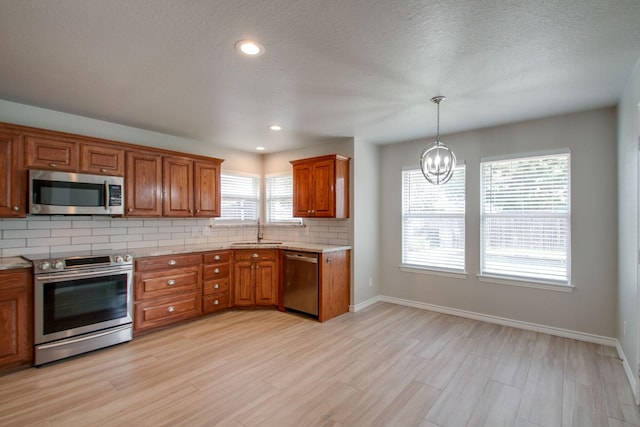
x=551 y=330
x=628 y=371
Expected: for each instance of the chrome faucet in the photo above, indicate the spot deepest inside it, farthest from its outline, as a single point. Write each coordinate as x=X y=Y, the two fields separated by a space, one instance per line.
x=259 y=237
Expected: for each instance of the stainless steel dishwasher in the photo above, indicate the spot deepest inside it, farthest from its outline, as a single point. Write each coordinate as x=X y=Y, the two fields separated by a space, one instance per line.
x=301 y=282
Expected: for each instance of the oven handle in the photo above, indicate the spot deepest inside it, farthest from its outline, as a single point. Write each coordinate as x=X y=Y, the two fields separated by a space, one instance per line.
x=83 y=274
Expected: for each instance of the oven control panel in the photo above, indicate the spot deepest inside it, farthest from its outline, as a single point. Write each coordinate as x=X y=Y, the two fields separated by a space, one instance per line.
x=78 y=262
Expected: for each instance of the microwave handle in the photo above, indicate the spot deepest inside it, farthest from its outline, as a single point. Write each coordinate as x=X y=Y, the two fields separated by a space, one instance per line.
x=106 y=195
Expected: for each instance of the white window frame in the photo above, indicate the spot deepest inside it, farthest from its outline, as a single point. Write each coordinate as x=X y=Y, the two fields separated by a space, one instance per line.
x=490 y=270
x=237 y=220
x=456 y=235
x=270 y=200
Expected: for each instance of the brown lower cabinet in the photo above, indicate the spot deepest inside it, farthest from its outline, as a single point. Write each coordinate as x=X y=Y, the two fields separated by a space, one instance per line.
x=216 y=285
x=255 y=278
x=167 y=289
x=16 y=319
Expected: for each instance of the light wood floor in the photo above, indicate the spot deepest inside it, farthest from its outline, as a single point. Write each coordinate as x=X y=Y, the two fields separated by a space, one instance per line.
x=387 y=365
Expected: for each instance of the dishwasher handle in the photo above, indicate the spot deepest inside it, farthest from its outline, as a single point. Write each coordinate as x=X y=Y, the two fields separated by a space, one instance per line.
x=300 y=257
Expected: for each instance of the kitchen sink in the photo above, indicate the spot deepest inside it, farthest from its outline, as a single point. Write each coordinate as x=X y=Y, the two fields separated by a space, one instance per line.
x=256 y=243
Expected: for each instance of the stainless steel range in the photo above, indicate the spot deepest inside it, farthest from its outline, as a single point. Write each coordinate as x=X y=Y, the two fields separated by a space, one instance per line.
x=82 y=303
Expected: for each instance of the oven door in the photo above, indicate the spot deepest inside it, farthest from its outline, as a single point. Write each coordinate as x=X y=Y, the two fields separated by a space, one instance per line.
x=75 y=303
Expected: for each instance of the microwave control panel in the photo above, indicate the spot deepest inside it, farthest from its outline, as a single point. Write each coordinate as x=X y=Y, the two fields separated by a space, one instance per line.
x=115 y=195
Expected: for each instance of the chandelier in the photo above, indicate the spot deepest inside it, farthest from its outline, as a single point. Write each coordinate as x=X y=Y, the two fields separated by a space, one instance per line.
x=437 y=161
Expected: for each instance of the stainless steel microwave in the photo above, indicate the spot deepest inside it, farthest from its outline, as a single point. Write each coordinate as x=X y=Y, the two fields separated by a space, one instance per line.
x=65 y=193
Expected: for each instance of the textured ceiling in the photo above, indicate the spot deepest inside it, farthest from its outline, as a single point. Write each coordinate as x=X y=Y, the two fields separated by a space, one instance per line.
x=332 y=68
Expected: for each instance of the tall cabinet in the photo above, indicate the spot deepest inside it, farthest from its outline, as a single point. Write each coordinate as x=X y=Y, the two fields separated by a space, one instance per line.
x=321 y=187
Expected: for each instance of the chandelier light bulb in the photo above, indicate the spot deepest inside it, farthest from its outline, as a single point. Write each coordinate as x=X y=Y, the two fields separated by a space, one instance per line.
x=437 y=161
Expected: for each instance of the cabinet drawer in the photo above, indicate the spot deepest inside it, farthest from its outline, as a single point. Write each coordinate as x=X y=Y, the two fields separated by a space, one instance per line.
x=217 y=257
x=150 y=314
x=255 y=255
x=215 y=271
x=167 y=261
x=215 y=302
x=163 y=283
x=215 y=286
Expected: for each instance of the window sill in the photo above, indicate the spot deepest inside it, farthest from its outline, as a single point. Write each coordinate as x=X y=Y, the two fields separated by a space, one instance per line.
x=510 y=281
x=410 y=268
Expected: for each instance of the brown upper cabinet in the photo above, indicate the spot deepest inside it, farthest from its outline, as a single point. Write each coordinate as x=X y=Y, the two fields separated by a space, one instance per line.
x=101 y=160
x=321 y=187
x=143 y=184
x=12 y=184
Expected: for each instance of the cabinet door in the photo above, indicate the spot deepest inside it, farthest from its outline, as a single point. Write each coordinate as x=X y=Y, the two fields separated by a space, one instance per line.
x=266 y=283
x=302 y=190
x=243 y=284
x=177 y=187
x=101 y=160
x=12 y=185
x=207 y=189
x=335 y=284
x=51 y=154
x=16 y=322
x=143 y=184
x=323 y=189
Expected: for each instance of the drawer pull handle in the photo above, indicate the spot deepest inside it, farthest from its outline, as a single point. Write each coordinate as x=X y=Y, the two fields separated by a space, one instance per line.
x=216 y=286
x=216 y=302
x=217 y=270
x=53 y=165
x=172 y=262
x=171 y=282
x=217 y=257
x=171 y=309
x=103 y=170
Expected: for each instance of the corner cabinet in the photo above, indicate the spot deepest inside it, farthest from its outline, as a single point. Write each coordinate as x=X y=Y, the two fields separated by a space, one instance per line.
x=321 y=187
x=255 y=278
x=12 y=184
x=16 y=319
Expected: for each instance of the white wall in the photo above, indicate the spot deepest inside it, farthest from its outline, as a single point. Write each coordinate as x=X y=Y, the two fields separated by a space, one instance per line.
x=592 y=307
x=628 y=130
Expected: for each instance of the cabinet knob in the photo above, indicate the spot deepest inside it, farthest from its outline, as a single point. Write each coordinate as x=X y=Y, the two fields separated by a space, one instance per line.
x=103 y=170
x=53 y=165
x=216 y=302
x=197 y=210
x=309 y=211
x=190 y=210
x=171 y=282
x=216 y=271
x=130 y=209
x=217 y=257
x=255 y=256
x=171 y=309
x=16 y=208
x=328 y=260
x=172 y=262
x=216 y=286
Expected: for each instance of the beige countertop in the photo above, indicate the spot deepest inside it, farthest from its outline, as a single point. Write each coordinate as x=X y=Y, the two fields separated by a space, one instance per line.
x=16 y=262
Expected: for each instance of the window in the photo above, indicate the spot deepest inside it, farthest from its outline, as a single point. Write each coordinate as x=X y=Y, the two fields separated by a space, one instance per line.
x=279 y=203
x=525 y=218
x=240 y=197
x=433 y=221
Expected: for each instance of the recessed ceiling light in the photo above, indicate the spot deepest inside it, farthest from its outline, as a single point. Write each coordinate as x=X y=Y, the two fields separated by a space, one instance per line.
x=249 y=48
x=260 y=148
x=275 y=127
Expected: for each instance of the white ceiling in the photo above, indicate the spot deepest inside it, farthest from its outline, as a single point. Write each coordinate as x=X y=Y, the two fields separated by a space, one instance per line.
x=332 y=68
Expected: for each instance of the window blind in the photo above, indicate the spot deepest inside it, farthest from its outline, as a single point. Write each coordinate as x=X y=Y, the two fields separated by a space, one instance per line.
x=433 y=216
x=525 y=218
x=240 y=197
x=279 y=200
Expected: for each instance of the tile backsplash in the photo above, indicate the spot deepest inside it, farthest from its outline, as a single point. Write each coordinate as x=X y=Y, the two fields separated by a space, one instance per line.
x=42 y=234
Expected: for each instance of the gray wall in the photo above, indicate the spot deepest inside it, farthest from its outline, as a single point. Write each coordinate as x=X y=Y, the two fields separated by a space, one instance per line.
x=628 y=130
x=592 y=306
